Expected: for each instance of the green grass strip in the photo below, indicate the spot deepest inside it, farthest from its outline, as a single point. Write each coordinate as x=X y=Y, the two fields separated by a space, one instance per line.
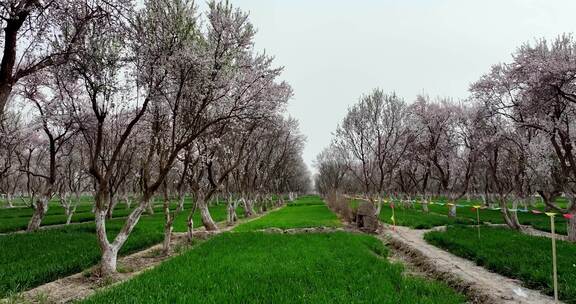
x=276 y=268
x=306 y=212
x=514 y=255
x=31 y=259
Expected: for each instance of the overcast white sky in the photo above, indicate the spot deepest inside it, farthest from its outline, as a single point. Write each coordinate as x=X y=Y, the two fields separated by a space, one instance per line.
x=335 y=50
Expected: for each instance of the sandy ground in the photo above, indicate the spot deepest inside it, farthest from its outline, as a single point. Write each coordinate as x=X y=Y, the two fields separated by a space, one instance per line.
x=479 y=284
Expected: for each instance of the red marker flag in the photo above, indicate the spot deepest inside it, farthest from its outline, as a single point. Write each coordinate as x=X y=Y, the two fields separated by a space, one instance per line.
x=568 y=215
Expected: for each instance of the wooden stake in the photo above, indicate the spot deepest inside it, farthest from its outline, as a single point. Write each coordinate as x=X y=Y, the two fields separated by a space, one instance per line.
x=554 y=271
x=478 y=221
x=393 y=219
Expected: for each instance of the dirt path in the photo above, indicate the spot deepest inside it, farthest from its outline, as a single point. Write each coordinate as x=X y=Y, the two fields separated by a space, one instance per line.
x=79 y=286
x=481 y=285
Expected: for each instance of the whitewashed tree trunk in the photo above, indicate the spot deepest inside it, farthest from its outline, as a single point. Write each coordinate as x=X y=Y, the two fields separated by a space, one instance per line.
x=232 y=217
x=109 y=261
x=9 y=200
x=127 y=201
x=378 y=206
x=248 y=208
x=510 y=217
x=181 y=200
x=70 y=209
x=150 y=207
x=190 y=228
x=205 y=216
x=425 y=205
x=110 y=250
x=452 y=212
x=40 y=209
x=168 y=227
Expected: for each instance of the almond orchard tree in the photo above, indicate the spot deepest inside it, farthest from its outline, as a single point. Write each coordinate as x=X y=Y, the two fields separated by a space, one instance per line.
x=333 y=175
x=74 y=179
x=213 y=79
x=537 y=92
x=503 y=154
x=53 y=120
x=391 y=148
x=113 y=88
x=218 y=155
x=373 y=138
x=331 y=171
x=39 y=34
x=11 y=139
x=272 y=165
x=159 y=79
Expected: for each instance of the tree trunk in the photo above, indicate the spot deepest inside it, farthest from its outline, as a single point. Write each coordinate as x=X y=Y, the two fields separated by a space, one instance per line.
x=40 y=209
x=510 y=217
x=378 y=207
x=190 y=230
x=9 y=200
x=265 y=205
x=452 y=212
x=150 y=207
x=425 y=206
x=232 y=217
x=109 y=255
x=168 y=227
x=69 y=214
x=181 y=200
x=5 y=90
x=70 y=209
x=110 y=250
x=127 y=201
x=207 y=220
x=113 y=203
x=109 y=261
x=248 y=208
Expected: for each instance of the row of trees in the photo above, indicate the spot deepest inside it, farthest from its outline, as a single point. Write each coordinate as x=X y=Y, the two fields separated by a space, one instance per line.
x=129 y=102
x=511 y=139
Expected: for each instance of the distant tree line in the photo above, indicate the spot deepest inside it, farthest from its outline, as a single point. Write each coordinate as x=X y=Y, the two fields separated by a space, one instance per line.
x=512 y=139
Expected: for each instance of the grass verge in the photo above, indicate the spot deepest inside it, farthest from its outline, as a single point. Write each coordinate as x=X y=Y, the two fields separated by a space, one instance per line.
x=417 y=219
